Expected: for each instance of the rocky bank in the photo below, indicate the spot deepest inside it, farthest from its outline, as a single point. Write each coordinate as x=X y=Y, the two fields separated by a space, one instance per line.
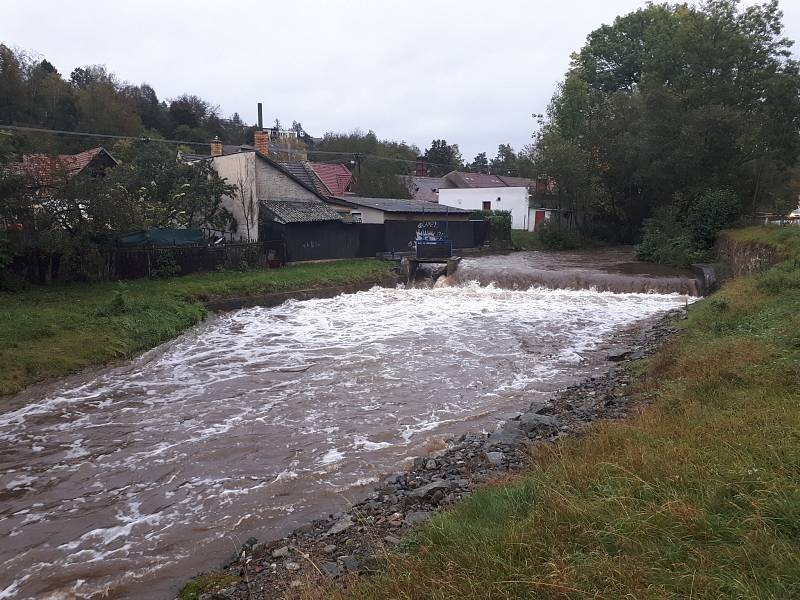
x=347 y=543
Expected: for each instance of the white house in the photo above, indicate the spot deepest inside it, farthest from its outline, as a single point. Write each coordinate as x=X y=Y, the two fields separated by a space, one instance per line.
x=513 y=199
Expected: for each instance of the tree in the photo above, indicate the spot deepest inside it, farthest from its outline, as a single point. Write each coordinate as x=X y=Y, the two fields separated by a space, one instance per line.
x=244 y=197
x=442 y=158
x=506 y=162
x=479 y=164
x=677 y=99
x=377 y=165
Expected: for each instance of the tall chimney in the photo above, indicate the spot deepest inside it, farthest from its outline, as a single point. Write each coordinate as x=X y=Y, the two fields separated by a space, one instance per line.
x=421 y=169
x=261 y=137
x=216 y=146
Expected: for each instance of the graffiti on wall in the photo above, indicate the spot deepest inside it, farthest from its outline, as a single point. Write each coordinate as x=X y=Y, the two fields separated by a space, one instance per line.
x=431 y=231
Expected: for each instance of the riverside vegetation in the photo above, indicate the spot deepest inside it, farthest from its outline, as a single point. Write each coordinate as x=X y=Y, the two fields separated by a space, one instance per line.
x=57 y=330
x=696 y=496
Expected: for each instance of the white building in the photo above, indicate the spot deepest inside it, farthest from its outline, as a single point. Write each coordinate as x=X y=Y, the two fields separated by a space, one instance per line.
x=513 y=199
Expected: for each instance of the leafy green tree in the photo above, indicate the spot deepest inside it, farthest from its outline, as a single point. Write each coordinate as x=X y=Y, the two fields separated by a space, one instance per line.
x=479 y=164
x=443 y=158
x=677 y=99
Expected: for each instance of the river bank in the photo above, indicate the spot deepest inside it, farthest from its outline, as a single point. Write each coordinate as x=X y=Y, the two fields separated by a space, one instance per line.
x=355 y=541
x=51 y=332
x=694 y=496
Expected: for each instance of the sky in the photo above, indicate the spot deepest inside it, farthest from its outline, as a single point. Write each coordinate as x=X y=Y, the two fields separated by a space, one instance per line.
x=469 y=72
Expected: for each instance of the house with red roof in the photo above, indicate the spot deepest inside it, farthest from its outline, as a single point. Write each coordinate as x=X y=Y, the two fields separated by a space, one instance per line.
x=49 y=171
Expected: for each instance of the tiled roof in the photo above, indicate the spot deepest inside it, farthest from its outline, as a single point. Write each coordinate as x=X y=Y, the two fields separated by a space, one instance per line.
x=302 y=171
x=461 y=179
x=288 y=211
x=335 y=177
x=426 y=188
x=400 y=205
x=49 y=169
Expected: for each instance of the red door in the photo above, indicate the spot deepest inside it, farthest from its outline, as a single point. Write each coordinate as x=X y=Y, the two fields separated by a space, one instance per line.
x=538 y=217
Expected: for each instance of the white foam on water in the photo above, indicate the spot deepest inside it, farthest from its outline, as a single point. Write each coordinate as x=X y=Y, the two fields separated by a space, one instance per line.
x=147 y=462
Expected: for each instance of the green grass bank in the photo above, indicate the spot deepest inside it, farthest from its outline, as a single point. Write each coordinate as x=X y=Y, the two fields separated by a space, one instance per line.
x=696 y=496
x=48 y=332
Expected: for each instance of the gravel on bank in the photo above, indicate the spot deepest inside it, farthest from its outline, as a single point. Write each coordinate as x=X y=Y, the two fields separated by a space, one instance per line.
x=349 y=543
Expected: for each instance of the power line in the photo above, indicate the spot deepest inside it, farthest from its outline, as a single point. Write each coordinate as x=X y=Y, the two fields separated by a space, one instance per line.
x=188 y=143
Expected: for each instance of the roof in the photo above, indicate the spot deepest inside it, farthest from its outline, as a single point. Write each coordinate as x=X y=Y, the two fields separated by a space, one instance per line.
x=461 y=179
x=426 y=188
x=336 y=177
x=399 y=205
x=289 y=211
x=48 y=169
x=295 y=170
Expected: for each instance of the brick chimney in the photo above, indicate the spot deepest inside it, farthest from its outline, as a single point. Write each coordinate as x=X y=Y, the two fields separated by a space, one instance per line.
x=261 y=141
x=261 y=137
x=421 y=169
x=216 y=146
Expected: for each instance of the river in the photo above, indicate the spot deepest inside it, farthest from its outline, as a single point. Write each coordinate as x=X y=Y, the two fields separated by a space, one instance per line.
x=122 y=482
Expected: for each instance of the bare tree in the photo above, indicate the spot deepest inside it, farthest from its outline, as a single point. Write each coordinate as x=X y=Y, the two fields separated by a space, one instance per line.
x=245 y=196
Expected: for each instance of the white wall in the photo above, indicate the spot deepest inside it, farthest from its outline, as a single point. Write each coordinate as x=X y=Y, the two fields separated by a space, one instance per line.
x=369 y=215
x=240 y=170
x=514 y=199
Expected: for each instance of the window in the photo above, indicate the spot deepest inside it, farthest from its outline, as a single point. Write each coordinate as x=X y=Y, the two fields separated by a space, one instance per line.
x=487 y=205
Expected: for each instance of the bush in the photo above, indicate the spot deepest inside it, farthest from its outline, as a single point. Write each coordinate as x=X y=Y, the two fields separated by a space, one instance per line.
x=164 y=265
x=681 y=237
x=554 y=237
x=782 y=278
x=119 y=303
x=712 y=212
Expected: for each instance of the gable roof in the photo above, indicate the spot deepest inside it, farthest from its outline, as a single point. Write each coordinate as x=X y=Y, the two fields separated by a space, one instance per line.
x=49 y=169
x=288 y=211
x=399 y=205
x=294 y=170
x=462 y=179
x=426 y=188
x=336 y=177
x=303 y=172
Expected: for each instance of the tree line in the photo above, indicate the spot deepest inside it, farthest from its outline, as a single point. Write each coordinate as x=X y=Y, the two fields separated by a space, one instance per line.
x=680 y=118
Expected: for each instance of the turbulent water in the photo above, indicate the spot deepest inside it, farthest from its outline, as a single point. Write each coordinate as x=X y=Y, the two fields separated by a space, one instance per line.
x=122 y=483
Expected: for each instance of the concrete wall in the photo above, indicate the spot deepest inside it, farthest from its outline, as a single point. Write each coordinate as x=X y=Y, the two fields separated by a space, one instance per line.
x=273 y=184
x=240 y=170
x=262 y=181
x=369 y=215
x=514 y=199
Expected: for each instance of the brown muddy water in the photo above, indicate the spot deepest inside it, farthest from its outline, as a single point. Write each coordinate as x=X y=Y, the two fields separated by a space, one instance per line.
x=123 y=482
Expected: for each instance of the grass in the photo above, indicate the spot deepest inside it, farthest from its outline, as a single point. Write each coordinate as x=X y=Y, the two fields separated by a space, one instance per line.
x=696 y=496
x=784 y=239
x=208 y=583
x=53 y=331
x=525 y=240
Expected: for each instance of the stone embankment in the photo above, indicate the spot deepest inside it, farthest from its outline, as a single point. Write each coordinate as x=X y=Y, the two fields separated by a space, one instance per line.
x=746 y=258
x=352 y=542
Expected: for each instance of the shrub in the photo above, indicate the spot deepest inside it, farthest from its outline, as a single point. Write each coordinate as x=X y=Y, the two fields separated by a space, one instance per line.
x=781 y=278
x=712 y=212
x=164 y=265
x=119 y=303
x=554 y=237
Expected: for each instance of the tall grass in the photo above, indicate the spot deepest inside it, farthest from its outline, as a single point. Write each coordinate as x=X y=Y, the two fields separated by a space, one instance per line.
x=696 y=496
x=53 y=331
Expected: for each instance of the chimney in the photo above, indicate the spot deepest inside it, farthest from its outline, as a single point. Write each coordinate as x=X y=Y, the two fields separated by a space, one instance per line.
x=261 y=137
x=261 y=141
x=421 y=169
x=216 y=146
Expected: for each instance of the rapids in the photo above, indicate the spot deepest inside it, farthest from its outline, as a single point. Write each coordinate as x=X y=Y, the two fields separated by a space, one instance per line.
x=123 y=482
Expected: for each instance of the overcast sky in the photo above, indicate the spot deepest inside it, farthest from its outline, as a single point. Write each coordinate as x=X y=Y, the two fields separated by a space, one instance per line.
x=469 y=72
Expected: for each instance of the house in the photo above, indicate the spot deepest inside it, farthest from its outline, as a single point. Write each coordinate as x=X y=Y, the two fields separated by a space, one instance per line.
x=47 y=171
x=481 y=191
x=268 y=192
